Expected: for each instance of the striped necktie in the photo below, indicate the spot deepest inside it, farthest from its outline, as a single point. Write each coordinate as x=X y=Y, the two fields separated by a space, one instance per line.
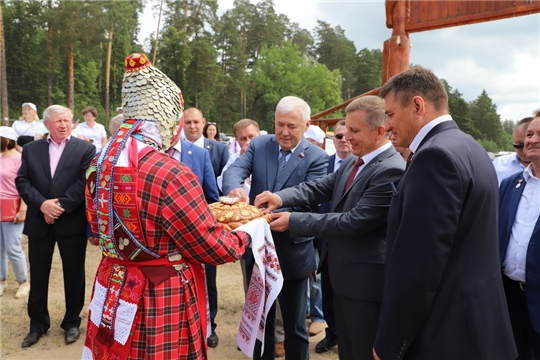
x=282 y=161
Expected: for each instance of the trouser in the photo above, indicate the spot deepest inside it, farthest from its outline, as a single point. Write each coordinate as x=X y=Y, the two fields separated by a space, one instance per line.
x=211 y=273
x=526 y=338
x=11 y=248
x=73 y=255
x=356 y=322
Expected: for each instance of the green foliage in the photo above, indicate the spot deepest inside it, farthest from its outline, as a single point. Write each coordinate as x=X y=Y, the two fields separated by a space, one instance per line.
x=483 y=113
x=459 y=109
x=508 y=126
x=231 y=67
x=25 y=63
x=368 y=71
x=488 y=145
x=174 y=44
x=336 y=51
x=282 y=71
x=506 y=142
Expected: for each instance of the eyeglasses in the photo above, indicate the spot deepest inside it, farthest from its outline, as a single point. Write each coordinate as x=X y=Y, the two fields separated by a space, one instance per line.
x=339 y=136
x=518 y=146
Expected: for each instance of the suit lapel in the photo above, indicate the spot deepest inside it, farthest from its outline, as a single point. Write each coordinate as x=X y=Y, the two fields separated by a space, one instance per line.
x=186 y=152
x=296 y=158
x=365 y=171
x=272 y=151
x=346 y=168
x=45 y=158
x=446 y=125
x=68 y=150
x=331 y=161
x=207 y=145
x=514 y=204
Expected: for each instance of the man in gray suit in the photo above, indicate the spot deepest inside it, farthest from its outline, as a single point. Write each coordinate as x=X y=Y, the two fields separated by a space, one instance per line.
x=275 y=163
x=355 y=227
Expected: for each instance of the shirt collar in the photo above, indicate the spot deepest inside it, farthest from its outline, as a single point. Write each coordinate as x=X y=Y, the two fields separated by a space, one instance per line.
x=50 y=140
x=370 y=156
x=527 y=173
x=293 y=149
x=425 y=130
x=200 y=142
x=178 y=146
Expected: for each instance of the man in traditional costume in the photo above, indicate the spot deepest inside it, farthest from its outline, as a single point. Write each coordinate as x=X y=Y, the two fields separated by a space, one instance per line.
x=155 y=230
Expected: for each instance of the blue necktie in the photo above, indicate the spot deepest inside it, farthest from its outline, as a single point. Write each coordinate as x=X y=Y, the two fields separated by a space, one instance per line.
x=282 y=161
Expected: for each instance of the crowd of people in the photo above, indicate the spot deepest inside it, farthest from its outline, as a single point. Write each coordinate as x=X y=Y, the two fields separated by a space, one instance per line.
x=408 y=242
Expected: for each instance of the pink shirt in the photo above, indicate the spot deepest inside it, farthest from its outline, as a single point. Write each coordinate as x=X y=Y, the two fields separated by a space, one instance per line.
x=55 y=152
x=9 y=165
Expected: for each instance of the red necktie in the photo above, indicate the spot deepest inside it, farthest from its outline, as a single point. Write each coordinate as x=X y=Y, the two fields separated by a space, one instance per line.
x=359 y=162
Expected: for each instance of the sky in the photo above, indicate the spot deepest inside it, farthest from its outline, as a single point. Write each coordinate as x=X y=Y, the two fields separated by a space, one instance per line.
x=501 y=57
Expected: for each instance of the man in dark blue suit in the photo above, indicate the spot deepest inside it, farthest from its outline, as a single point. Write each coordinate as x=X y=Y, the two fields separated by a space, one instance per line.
x=275 y=163
x=198 y=160
x=219 y=154
x=519 y=236
x=443 y=296
x=193 y=128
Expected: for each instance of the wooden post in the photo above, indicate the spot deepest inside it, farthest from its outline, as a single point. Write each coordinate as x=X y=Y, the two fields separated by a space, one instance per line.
x=396 y=50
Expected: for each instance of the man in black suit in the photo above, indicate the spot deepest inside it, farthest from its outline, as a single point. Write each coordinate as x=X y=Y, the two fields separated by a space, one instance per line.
x=355 y=227
x=51 y=181
x=219 y=155
x=443 y=297
x=277 y=162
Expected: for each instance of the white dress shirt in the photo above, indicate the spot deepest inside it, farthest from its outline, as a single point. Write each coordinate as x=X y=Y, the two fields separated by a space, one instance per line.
x=370 y=156
x=507 y=165
x=524 y=223
x=426 y=129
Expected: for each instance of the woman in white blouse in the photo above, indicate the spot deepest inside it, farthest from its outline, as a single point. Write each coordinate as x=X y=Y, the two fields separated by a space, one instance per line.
x=91 y=130
x=28 y=124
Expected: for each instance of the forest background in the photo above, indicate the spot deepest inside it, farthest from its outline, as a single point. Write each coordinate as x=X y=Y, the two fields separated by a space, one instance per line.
x=233 y=66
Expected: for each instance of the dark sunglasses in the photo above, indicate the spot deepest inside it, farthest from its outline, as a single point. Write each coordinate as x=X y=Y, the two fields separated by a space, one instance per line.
x=339 y=136
x=518 y=146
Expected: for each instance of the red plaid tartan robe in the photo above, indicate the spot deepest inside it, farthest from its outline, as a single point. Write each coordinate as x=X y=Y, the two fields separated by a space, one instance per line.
x=174 y=215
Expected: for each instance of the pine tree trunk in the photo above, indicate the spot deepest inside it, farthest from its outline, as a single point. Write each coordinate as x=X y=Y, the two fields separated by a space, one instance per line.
x=3 y=73
x=108 y=74
x=70 y=79
x=50 y=67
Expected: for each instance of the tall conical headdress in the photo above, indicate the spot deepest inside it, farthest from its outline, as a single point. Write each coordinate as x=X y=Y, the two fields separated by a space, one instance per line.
x=148 y=94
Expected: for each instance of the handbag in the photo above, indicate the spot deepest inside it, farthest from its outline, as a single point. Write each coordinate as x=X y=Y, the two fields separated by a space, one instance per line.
x=9 y=208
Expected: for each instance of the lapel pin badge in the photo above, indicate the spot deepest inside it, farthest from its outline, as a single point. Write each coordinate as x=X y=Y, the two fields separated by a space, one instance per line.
x=519 y=183
x=189 y=152
x=301 y=155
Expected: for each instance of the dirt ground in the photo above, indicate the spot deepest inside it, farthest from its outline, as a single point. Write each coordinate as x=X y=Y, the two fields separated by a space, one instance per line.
x=14 y=322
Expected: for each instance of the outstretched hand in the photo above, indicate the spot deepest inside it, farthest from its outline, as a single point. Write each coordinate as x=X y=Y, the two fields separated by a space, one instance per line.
x=281 y=221
x=239 y=193
x=267 y=202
